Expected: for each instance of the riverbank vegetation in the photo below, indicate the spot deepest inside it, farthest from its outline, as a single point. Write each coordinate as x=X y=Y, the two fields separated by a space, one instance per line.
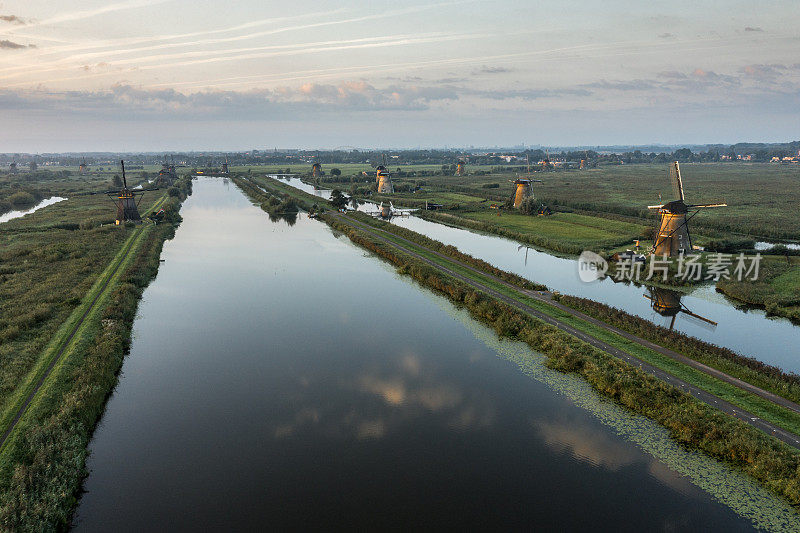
x=777 y=289
x=49 y=277
x=688 y=420
x=753 y=371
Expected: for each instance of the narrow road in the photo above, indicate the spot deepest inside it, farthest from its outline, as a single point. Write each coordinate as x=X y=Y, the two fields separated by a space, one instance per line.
x=700 y=394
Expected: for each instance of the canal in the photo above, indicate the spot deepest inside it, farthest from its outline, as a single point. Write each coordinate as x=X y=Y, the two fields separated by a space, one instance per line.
x=280 y=377
x=746 y=331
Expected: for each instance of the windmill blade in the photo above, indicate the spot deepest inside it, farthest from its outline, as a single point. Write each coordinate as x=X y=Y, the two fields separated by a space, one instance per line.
x=677 y=182
x=655 y=206
x=705 y=206
x=124 y=181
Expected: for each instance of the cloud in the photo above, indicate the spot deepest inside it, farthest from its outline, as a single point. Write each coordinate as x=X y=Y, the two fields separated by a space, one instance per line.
x=529 y=94
x=11 y=45
x=491 y=70
x=762 y=71
x=13 y=19
x=751 y=28
x=127 y=101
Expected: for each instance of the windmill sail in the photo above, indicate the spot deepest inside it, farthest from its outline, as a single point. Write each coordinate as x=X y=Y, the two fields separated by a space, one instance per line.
x=677 y=183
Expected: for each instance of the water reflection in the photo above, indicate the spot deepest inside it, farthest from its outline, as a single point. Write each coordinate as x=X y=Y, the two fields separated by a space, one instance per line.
x=667 y=302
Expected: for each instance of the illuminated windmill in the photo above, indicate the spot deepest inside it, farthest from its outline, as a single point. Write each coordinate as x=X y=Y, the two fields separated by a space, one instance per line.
x=672 y=233
x=125 y=200
x=83 y=166
x=523 y=189
x=384 y=178
x=461 y=168
x=546 y=161
x=316 y=170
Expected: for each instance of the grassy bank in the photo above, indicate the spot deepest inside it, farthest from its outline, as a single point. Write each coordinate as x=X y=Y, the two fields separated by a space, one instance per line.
x=753 y=371
x=777 y=289
x=43 y=461
x=688 y=420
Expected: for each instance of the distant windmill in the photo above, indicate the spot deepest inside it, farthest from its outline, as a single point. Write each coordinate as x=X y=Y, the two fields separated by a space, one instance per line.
x=83 y=166
x=316 y=170
x=672 y=233
x=225 y=166
x=167 y=174
x=461 y=168
x=125 y=200
x=383 y=178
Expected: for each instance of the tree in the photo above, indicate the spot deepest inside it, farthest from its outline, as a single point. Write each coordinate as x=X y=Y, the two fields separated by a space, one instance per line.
x=354 y=202
x=336 y=172
x=117 y=181
x=338 y=199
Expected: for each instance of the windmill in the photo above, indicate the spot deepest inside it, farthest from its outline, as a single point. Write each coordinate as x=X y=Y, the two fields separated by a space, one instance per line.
x=383 y=178
x=167 y=175
x=672 y=233
x=461 y=168
x=316 y=170
x=546 y=160
x=667 y=303
x=83 y=166
x=225 y=166
x=125 y=200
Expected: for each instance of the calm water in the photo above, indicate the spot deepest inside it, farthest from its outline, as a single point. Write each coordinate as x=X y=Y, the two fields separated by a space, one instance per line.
x=280 y=377
x=11 y=215
x=746 y=331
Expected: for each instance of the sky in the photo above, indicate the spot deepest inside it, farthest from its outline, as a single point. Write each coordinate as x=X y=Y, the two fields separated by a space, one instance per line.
x=151 y=75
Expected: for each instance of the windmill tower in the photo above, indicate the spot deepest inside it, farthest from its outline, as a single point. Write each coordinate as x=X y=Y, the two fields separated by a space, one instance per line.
x=127 y=206
x=316 y=170
x=667 y=303
x=672 y=233
x=225 y=166
x=546 y=160
x=384 y=179
x=461 y=168
x=523 y=189
x=166 y=175
x=83 y=166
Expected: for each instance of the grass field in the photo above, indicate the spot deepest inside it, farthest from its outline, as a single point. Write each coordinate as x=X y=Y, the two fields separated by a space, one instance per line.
x=573 y=228
x=777 y=288
x=762 y=197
